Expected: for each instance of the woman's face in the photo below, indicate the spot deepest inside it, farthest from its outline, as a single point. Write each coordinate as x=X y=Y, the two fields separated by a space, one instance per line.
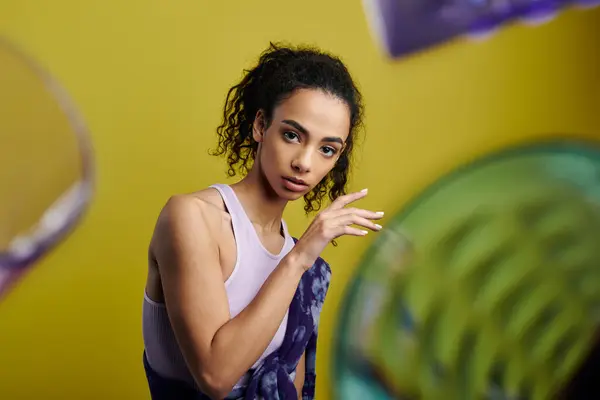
x=306 y=136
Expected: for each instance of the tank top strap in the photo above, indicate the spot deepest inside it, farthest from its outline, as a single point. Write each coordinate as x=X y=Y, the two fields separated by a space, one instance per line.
x=239 y=219
x=242 y=226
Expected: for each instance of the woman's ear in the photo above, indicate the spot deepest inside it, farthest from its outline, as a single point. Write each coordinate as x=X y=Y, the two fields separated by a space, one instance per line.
x=259 y=126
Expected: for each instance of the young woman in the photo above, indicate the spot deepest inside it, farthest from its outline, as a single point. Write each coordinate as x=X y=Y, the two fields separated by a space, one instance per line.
x=232 y=303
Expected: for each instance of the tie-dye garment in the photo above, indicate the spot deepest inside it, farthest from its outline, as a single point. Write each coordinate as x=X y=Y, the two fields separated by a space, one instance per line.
x=274 y=379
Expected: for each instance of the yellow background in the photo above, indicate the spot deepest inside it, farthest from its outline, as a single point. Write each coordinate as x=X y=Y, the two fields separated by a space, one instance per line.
x=150 y=77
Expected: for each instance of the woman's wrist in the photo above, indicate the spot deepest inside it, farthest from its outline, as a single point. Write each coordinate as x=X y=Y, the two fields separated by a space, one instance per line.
x=297 y=260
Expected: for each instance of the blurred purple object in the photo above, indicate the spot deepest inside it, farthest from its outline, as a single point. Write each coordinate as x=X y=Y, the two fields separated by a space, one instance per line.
x=56 y=218
x=407 y=26
x=587 y=3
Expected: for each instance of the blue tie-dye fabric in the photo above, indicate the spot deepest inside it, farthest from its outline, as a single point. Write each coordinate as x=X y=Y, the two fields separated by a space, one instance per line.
x=273 y=380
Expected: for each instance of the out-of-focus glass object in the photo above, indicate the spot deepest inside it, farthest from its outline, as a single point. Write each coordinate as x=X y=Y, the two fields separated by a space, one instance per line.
x=45 y=163
x=486 y=286
x=402 y=27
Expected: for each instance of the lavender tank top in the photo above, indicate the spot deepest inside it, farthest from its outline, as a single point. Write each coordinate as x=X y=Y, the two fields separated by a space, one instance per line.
x=253 y=266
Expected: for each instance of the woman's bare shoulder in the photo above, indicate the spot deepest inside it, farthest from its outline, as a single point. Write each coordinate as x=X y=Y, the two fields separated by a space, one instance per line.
x=201 y=210
x=210 y=198
x=207 y=201
x=188 y=228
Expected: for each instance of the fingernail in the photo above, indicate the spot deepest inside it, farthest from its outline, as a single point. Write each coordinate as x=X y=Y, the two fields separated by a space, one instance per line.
x=378 y=226
x=364 y=190
x=365 y=232
x=379 y=213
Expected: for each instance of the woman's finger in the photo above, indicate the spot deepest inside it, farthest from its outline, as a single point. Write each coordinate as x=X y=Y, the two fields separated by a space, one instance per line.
x=351 y=231
x=357 y=211
x=353 y=219
x=346 y=199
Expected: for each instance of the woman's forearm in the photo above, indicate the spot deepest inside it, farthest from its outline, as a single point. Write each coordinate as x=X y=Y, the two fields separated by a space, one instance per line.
x=241 y=341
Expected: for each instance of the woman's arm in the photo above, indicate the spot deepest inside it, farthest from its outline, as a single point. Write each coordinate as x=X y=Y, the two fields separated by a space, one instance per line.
x=218 y=350
x=300 y=371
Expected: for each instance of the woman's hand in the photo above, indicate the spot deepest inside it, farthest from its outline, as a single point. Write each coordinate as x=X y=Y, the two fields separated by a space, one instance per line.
x=333 y=222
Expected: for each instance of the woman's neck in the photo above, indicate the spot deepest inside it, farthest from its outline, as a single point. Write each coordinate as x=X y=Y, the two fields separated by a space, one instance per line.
x=263 y=207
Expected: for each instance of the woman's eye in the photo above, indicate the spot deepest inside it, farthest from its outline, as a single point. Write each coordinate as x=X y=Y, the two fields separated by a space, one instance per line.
x=291 y=136
x=328 y=151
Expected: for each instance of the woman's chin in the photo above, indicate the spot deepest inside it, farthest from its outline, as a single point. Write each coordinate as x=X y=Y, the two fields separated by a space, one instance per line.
x=289 y=195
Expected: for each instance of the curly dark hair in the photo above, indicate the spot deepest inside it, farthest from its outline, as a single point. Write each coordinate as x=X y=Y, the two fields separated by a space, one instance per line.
x=280 y=71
